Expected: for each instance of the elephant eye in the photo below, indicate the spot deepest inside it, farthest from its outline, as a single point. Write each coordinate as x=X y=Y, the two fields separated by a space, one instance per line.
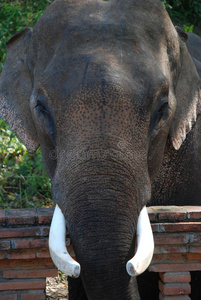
x=162 y=113
x=162 y=108
x=41 y=107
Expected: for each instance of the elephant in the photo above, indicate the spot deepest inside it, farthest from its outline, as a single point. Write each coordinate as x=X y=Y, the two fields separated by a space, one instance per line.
x=111 y=93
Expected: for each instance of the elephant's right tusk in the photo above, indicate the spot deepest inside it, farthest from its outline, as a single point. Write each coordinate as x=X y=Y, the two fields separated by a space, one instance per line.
x=57 y=246
x=145 y=246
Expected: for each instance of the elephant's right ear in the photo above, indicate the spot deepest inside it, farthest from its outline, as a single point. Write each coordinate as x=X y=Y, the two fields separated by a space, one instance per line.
x=16 y=89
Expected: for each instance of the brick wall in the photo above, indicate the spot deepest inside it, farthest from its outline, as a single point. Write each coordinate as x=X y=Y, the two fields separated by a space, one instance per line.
x=25 y=261
x=177 y=237
x=24 y=257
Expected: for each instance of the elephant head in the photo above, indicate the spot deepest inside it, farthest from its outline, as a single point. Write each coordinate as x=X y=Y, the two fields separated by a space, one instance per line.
x=101 y=86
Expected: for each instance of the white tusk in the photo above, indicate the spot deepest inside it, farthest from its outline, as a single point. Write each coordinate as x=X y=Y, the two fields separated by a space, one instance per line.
x=145 y=246
x=57 y=246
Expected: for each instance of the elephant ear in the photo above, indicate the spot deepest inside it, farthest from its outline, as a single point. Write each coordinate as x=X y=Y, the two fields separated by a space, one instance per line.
x=188 y=95
x=16 y=88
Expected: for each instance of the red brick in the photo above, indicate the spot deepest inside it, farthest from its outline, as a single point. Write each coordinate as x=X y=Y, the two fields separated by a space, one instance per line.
x=168 y=267
x=171 y=249
x=45 y=231
x=173 y=289
x=172 y=216
x=194 y=216
x=182 y=297
x=43 y=253
x=155 y=227
x=194 y=256
x=27 y=263
x=71 y=251
x=38 y=296
x=20 y=232
x=31 y=273
x=172 y=213
x=3 y=254
x=171 y=239
x=152 y=217
x=195 y=238
x=175 y=213
x=195 y=249
x=23 y=285
x=152 y=212
x=29 y=243
x=45 y=215
x=193 y=212
x=21 y=216
x=169 y=257
x=22 y=254
x=8 y=297
x=4 y=245
x=178 y=227
x=2 y=217
x=175 y=277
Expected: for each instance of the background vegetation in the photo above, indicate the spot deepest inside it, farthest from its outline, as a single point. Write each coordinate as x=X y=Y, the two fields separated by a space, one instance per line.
x=188 y=11
x=23 y=181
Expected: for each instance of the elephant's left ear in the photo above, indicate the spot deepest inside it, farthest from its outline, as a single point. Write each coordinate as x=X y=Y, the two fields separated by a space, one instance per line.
x=16 y=89
x=188 y=95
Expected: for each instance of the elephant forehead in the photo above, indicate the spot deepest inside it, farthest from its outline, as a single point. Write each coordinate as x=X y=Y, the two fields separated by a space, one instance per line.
x=117 y=17
x=99 y=40
x=105 y=23
x=131 y=68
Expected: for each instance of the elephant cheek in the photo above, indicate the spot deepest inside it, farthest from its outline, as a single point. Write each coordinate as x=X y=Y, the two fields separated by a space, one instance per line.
x=155 y=156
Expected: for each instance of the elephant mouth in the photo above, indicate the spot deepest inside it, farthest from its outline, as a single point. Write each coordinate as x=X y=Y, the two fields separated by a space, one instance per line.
x=65 y=263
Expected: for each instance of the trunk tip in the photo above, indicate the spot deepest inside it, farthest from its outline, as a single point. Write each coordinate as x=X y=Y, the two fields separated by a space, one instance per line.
x=130 y=269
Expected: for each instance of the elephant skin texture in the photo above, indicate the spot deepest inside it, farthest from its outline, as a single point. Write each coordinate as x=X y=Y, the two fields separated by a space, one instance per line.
x=110 y=91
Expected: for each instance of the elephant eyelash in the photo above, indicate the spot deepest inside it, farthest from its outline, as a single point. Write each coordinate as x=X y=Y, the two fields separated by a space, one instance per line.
x=163 y=108
x=41 y=107
x=162 y=113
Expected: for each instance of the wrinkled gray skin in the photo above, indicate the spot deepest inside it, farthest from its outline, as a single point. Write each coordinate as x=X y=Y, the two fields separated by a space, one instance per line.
x=109 y=91
x=178 y=181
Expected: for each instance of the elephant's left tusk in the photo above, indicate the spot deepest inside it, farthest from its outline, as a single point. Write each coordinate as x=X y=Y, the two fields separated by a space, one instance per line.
x=145 y=246
x=57 y=246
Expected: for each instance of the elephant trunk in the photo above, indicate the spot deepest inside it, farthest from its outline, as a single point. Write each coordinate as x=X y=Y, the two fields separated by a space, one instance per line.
x=101 y=209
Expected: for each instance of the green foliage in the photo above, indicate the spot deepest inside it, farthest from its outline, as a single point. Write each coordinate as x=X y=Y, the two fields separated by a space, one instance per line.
x=188 y=11
x=23 y=180
x=15 y=15
x=188 y=28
